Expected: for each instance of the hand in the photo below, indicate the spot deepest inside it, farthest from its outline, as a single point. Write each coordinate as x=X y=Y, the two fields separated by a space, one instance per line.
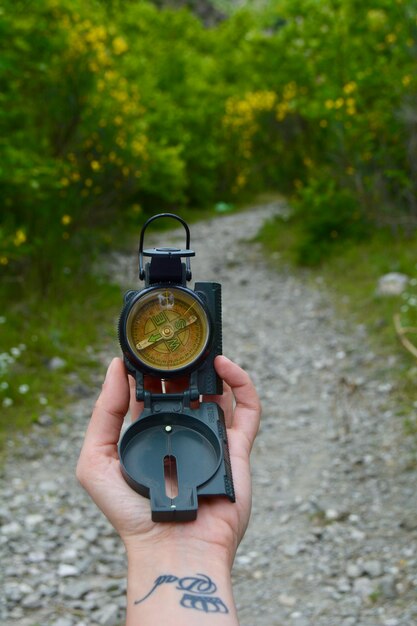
x=220 y=524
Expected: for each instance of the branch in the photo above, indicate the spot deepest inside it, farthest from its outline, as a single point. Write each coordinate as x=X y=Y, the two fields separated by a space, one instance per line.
x=402 y=332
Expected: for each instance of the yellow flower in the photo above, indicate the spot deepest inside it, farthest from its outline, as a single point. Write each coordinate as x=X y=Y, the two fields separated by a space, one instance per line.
x=350 y=87
x=406 y=80
x=329 y=104
x=391 y=38
x=4 y=260
x=19 y=238
x=64 y=182
x=88 y=182
x=119 y=45
x=66 y=219
x=339 y=103
x=95 y=165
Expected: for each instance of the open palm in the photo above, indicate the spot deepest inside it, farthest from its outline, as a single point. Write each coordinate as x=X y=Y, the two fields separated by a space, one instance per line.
x=219 y=523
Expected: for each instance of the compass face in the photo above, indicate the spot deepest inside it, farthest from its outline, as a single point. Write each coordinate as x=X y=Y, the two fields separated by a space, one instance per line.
x=167 y=329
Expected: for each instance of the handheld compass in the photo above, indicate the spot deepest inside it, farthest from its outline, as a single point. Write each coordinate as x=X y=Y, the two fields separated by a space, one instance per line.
x=167 y=331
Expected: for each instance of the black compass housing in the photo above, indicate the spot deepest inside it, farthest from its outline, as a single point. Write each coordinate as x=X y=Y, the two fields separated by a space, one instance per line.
x=168 y=331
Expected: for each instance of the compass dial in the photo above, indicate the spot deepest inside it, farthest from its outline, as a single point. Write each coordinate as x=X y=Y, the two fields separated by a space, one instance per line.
x=167 y=329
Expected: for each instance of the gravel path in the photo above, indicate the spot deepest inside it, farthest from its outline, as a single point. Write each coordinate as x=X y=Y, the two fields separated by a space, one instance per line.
x=332 y=540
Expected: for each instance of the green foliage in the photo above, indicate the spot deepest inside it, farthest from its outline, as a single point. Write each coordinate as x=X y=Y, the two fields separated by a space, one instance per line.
x=74 y=326
x=337 y=80
x=110 y=110
x=328 y=215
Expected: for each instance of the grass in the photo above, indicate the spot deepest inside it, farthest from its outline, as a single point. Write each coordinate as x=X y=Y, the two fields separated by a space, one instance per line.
x=72 y=322
x=350 y=275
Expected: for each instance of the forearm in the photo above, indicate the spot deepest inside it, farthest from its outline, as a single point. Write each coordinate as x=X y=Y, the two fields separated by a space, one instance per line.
x=179 y=586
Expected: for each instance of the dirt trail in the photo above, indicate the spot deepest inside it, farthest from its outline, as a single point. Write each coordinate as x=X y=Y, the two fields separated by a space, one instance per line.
x=332 y=539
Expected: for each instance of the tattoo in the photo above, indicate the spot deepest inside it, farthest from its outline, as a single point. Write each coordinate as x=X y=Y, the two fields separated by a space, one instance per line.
x=199 y=596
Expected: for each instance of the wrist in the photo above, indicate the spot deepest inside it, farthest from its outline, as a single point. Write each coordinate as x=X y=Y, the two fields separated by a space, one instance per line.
x=188 y=580
x=171 y=552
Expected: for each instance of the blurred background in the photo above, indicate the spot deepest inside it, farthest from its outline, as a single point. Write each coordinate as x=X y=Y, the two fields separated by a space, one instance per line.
x=112 y=110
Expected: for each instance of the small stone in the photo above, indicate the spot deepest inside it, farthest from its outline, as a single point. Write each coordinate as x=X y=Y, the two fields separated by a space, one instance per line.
x=36 y=557
x=388 y=588
x=44 y=419
x=78 y=589
x=108 y=615
x=90 y=534
x=343 y=585
x=409 y=521
x=292 y=549
x=66 y=569
x=373 y=568
x=13 y=529
x=48 y=486
x=331 y=515
x=63 y=621
x=31 y=601
x=34 y=520
x=16 y=591
x=299 y=620
x=363 y=587
x=392 y=284
x=243 y=559
x=353 y=570
x=69 y=555
x=56 y=363
x=286 y=600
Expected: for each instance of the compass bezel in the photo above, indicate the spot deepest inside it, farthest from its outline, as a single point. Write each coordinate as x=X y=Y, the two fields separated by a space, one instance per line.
x=132 y=355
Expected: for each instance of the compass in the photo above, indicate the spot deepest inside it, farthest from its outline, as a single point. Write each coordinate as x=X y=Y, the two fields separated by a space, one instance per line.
x=169 y=331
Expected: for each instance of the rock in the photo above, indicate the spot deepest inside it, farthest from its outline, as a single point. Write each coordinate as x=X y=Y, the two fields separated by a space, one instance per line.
x=107 y=616
x=34 y=520
x=286 y=600
x=32 y=601
x=363 y=587
x=392 y=284
x=388 y=587
x=353 y=570
x=292 y=549
x=78 y=589
x=373 y=568
x=63 y=621
x=56 y=363
x=409 y=521
x=36 y=557
x=90 y=534
x=13 y=529
x=44 y=419
x=67 y=569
